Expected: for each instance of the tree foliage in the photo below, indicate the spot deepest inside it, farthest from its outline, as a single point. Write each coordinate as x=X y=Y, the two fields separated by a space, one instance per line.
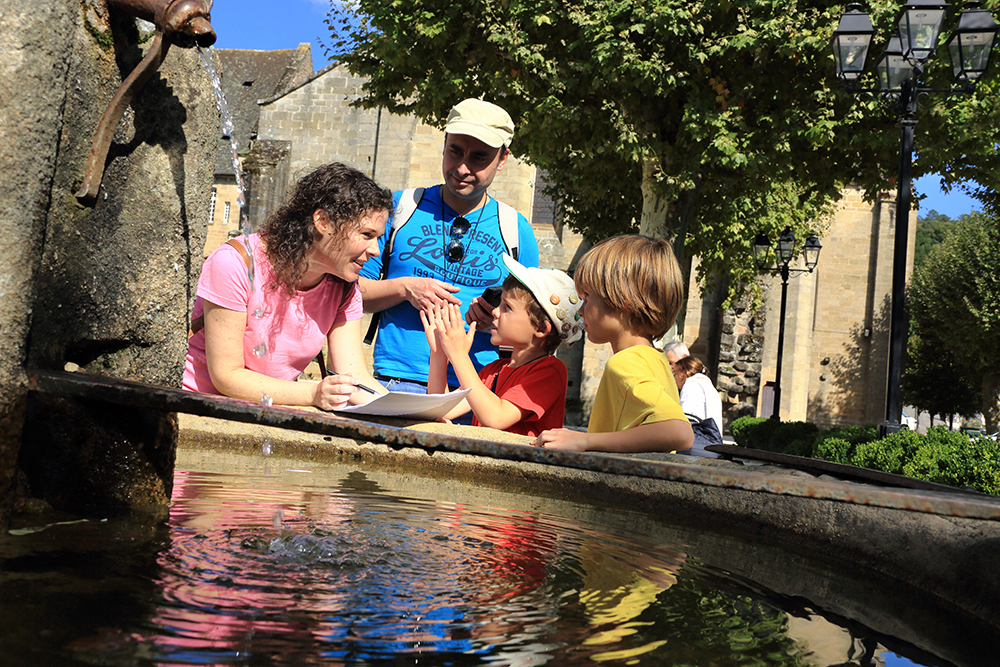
x=703 y=121
x=955 y=304
x=931 y=230
x=934 y=382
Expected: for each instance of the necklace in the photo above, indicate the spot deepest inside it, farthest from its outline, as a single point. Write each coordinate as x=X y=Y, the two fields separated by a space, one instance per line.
x=445 y=236
x=496 y=377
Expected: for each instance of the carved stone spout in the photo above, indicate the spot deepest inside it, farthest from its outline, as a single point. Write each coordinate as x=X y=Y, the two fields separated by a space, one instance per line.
x=185 y=23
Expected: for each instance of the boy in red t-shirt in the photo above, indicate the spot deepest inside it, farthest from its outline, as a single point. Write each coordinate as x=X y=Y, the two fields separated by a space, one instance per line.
x=526 y=394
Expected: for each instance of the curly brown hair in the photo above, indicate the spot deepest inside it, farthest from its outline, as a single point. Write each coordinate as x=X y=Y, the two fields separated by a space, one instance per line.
x=346 y=196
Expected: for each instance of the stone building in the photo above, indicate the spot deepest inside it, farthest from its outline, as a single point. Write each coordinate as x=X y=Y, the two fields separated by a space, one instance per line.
x=836 y=335
x=246 y=77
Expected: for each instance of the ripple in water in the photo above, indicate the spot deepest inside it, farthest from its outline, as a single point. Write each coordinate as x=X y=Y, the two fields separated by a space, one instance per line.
x=312 y=567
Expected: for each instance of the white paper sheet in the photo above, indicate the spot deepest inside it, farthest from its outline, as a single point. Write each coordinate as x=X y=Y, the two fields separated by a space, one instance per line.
x=411 y=406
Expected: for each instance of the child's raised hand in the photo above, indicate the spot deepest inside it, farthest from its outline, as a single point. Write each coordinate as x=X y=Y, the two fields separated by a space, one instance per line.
x=451 y=334
x=428 y=317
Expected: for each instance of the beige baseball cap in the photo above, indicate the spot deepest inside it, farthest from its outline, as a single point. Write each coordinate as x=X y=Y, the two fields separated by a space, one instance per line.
x=482 y=120
x=556 y=292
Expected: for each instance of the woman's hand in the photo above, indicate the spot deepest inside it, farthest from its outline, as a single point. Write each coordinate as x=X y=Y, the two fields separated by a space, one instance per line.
x=333 y=391
x=450 y=331
x=562 y=438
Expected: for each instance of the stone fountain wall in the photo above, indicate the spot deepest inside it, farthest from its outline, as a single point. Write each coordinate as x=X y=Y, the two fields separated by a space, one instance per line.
x=107 y=286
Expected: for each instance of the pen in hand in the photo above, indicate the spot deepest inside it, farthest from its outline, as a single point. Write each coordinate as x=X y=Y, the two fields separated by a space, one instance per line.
x=368 y=389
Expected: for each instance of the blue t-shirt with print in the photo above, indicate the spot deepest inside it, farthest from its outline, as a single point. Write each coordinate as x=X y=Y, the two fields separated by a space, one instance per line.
x=419 y=250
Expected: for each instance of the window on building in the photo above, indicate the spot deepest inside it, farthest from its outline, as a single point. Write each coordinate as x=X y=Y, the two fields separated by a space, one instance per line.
x=225 y=215
x=211 y=207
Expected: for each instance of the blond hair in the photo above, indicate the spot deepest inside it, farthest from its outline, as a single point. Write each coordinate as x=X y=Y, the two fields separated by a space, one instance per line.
x=637 y=276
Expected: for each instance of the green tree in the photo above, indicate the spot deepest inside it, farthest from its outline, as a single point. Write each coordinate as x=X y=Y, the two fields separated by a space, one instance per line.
x=955 y=299
x=931 y=230
x=702 y=121
x=934 y=382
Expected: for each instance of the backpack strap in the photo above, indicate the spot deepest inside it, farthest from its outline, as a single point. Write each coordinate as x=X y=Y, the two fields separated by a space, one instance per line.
x=409 y=199
x=198 y=323
x=508 y=227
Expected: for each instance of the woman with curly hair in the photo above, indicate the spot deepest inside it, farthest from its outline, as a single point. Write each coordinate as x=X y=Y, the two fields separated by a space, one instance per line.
x=266 y=302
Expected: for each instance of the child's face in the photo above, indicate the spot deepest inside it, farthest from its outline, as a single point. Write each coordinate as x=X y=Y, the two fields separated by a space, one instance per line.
x=601 y=323
x=511 y=323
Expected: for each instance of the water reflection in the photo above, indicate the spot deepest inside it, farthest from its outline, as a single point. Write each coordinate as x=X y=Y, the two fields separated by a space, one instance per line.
x=268 y=560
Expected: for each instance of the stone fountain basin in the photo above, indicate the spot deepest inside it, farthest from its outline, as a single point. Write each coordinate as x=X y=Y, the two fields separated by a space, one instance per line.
x=909 y=563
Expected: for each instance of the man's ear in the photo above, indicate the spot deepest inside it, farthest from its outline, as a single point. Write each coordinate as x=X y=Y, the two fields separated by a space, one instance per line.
x=505 y=153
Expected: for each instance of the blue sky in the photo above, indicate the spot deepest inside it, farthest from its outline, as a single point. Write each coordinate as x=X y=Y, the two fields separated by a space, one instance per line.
x=266 y=25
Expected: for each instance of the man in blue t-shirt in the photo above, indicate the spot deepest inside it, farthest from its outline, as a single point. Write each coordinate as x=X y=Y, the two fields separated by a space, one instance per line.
x=447 y=252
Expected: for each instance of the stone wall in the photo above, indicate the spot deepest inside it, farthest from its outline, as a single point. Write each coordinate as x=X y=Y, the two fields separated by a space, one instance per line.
x=836 y=327
x=104 y=286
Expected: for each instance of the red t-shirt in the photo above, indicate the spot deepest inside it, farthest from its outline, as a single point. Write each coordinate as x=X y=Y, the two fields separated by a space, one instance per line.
x=539 y=387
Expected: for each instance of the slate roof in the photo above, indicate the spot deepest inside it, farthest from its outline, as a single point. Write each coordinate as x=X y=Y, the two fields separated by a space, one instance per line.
x=248 y=77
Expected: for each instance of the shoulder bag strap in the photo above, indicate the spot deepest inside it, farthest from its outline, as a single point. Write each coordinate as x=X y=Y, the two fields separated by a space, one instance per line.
x=198 y=323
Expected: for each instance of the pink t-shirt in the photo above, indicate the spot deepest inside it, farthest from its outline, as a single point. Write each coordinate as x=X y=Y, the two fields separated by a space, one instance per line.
x=283 y=333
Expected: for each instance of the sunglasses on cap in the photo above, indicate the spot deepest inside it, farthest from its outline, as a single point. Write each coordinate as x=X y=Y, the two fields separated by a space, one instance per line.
x=456 y=249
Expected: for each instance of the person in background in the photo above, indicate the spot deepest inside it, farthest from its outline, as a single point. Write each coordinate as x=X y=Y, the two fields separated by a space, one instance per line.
x=266 y=304
x=525 y=394
x=448 y=252
x=632 y=291
x=675 y=350
x=701 y=403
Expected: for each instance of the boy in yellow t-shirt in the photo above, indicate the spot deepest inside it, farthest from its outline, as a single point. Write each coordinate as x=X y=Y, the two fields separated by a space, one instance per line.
x=632 y=291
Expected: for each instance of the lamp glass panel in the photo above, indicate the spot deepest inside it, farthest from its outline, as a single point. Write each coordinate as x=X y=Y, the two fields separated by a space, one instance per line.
x=786 y=246
x=919 y=28
x=892 y=71
x=851 y=52
x=970 y=54
x=761 y=250
x=811 y=256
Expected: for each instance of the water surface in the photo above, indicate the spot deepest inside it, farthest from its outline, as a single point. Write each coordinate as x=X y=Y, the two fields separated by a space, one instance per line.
x=278 y=560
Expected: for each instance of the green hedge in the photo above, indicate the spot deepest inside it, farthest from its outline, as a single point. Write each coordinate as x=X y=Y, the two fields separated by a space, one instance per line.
x=940 y=455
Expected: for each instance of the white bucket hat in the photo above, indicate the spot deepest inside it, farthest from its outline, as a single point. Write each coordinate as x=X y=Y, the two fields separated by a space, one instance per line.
x=556 y=293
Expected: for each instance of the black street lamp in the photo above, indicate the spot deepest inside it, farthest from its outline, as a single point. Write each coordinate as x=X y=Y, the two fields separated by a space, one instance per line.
x=784 y=250
x=900 y=70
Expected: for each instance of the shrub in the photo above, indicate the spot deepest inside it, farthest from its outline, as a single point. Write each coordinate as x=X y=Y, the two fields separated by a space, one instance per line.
x=883 y=455
x=937 y=462
x=836 y=450
x=795 y=438
x=982 y=465
x=749 y=432
x=940 y=455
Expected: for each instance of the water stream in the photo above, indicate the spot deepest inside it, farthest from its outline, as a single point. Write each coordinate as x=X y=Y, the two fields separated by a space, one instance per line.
x=279 y=560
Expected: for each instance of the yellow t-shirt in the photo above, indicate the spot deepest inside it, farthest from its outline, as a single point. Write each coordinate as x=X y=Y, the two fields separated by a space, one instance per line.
x=637 y=388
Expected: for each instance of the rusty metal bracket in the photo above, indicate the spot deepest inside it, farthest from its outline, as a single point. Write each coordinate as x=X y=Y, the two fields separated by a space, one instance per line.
x=185 y=23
